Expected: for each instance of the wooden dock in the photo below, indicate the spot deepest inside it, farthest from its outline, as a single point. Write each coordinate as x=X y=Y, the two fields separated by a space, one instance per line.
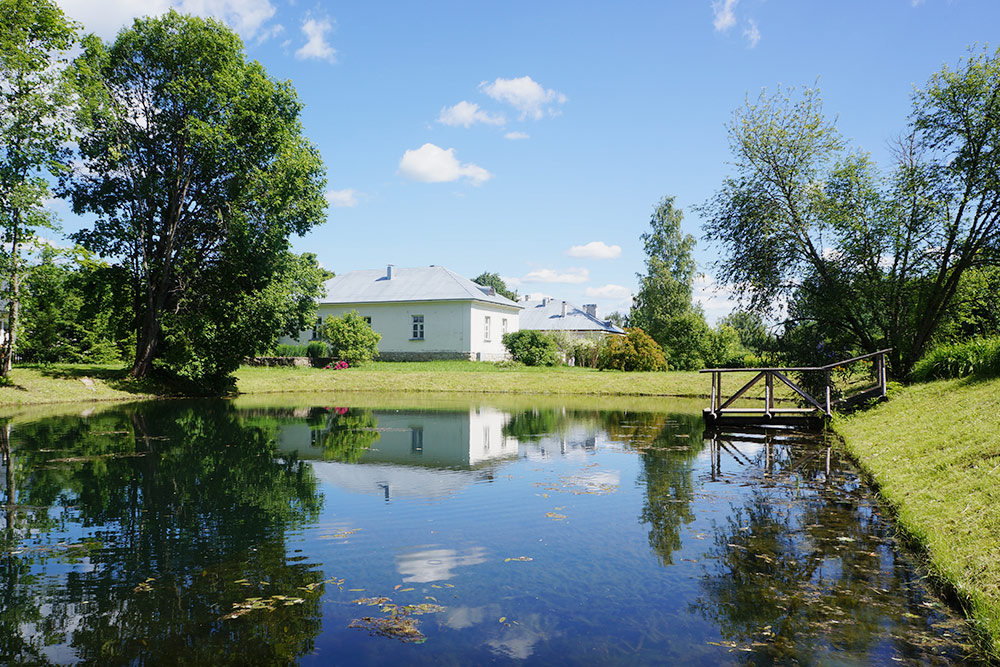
x=812 y=412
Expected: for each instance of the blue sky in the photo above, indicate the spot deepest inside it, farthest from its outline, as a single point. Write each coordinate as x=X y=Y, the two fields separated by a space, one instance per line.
x=534 y=139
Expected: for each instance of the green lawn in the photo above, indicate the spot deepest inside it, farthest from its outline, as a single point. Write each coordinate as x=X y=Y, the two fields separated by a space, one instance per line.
x=470 y=377
x=71 y=383
x=934 y=452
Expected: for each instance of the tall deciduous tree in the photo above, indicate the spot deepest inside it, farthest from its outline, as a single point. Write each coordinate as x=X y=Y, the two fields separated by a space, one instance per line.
x=496 y=282
x=869 y=260
x=34 y=35
x=663 y=307
x=195 y=163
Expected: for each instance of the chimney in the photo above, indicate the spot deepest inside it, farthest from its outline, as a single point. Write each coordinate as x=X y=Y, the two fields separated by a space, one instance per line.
x=590 y=309
x=545 y=301
x=564 y=309
x=388 y=272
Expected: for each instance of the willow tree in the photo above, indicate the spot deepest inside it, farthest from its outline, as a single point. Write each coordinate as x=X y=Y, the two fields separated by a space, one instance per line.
x=34 y=37
x=195 y=164
x=871 y=258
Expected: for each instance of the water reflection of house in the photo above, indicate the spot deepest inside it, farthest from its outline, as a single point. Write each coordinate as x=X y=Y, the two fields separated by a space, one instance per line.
x=413 y=453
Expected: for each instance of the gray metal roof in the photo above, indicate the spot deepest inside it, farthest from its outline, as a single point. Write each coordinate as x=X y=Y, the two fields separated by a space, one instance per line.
x=547 y=315
x=423 y=283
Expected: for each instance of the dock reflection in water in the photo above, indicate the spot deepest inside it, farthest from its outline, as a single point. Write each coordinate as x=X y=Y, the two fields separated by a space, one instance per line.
x=343 y=530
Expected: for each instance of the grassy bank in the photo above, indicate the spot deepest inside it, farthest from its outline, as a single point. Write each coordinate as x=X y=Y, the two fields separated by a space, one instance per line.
x=471 y=377
x=934 y=452
x=71 y=383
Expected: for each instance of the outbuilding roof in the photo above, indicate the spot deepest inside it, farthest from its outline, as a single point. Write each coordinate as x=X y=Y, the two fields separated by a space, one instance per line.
x=422 y=283
x=555 y=315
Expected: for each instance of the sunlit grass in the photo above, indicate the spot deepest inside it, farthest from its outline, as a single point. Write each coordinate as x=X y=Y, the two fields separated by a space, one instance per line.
x=470 y=376
x=934 y=451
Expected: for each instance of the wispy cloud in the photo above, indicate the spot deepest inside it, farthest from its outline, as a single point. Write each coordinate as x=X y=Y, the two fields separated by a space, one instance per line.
x=725 y=15
x=514 y=136
x=570 y=276
x=595 y=250
x=609 y=291
x=347 y=198
x=433 y=164
x=468 y=114
x=525 y=95
x=752 y=33
x=316 y=46
x=247 y=17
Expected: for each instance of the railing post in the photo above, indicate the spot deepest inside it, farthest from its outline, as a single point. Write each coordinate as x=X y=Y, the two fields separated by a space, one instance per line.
x=881 y=373
x=829 y=412
x=768 y=394
x=713 y=403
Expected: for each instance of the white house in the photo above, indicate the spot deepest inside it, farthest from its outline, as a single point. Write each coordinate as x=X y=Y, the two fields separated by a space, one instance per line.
x=553 y=316
x=423 y=313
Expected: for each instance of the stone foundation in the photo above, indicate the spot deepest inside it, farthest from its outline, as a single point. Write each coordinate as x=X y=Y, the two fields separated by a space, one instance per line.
x=317 y=362
x=425 y=356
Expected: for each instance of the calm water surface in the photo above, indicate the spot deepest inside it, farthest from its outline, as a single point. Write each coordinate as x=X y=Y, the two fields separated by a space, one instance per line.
x=348 y=530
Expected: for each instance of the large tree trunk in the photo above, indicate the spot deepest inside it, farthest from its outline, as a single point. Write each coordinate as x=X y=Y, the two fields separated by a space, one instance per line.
x=14 y=306
x=8 y=460
x=146 y=342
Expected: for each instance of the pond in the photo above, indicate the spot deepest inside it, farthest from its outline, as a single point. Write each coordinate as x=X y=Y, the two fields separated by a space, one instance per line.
x=359 y=529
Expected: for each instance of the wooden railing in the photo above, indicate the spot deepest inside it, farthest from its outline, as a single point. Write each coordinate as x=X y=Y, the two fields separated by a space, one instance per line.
x=722 y=406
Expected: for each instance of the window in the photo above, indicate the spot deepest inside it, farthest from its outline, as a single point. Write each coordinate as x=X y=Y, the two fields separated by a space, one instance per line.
x=367 y=319
x=418 y=327
x=316 y=328
x=486 y=329
x=417 y=440
x=503 y=326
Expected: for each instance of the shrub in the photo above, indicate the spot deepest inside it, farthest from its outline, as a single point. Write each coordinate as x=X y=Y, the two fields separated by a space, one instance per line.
x=317 y=348
x=350 y=338
x=285 y=350
x=633 y=352
x=979 y=356
x=532 y=348
x=584 y=352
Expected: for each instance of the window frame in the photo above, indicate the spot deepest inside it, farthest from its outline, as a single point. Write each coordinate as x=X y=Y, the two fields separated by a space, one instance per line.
x=417 y=324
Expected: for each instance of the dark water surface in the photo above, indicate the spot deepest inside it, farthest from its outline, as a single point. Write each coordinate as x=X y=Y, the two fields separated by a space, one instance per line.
x=359 y=530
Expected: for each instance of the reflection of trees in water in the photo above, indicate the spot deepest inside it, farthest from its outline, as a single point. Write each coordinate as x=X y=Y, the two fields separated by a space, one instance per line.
x=668 y=449
x=190 y=499
x=344 y=434
x=806 y=565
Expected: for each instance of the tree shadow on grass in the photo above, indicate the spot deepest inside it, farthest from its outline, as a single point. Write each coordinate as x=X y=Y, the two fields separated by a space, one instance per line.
x=118 y=379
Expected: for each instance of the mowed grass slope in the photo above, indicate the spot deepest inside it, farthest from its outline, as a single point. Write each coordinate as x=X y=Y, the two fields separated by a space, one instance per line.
x=471 y=377
x=934 y=452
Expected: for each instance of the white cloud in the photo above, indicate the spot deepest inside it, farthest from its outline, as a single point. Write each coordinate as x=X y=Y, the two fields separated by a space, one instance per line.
x=433 y=164
x=511 y=281
x=316 y=46
x=609 y=291
x=595 y=250
x=752 y=33
x=525 y=95
x=468 y=114
x=572 y=276
x=106 y=18
x=725 y=17
x=514 y=136
x=347 y=198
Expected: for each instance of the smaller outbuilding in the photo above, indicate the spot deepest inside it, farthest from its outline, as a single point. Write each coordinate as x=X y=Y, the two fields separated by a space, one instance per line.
x=555 y=316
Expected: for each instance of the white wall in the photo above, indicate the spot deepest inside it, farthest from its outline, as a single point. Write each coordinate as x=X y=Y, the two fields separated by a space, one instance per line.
x=492 y=349
x=449 y=327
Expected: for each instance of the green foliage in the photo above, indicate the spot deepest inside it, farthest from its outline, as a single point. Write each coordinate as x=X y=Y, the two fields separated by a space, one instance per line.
x=979 y=357
x=636 y=351
x=203 y=238
x=753 y=334
x=724 y=349
x=347 y=433
x=350 y=338
x=663 y=306
x=70 y=312
x=532 y=348
x=314 y=349
x=34 y=38
x=496 y=282
x=854 y=251
x=585 y=352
